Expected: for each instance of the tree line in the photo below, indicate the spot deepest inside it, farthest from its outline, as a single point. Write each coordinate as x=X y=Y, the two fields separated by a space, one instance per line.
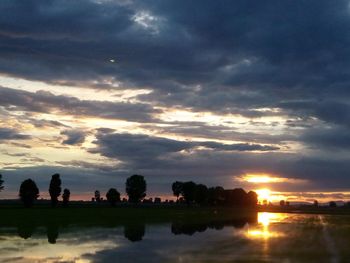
x=192 y=193
x=186 y=192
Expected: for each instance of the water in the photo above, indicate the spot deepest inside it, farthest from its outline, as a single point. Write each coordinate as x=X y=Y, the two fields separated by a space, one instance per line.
x=271 y=237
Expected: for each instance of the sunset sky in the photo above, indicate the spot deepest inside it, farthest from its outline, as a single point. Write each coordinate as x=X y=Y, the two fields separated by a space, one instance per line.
x=251 y=94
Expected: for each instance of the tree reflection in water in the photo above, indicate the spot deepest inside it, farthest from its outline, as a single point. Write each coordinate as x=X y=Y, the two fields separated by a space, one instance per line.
x=136 y=232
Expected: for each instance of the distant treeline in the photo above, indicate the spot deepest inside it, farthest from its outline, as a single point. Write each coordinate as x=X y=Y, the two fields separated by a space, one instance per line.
x=188 y=193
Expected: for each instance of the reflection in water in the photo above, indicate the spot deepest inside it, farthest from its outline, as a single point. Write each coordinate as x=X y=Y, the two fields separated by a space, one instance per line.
x=264 y=237
x=26 y=229
x=134 y=232
x=178 y=228
x=52 y=233
x=262 y=230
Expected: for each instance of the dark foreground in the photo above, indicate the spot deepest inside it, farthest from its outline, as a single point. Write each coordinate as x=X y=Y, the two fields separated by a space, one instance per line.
x=104 y=215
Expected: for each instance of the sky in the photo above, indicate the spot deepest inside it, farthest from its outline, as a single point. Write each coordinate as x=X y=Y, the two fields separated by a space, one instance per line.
x=211 y=91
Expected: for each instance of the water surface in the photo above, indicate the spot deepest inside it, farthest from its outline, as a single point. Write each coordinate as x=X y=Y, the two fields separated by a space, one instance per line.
x=269 y=237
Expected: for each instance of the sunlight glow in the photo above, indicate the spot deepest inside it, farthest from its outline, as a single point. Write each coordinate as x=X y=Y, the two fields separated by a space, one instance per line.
x=262 y=178
x=263 y=194
x=264 y=221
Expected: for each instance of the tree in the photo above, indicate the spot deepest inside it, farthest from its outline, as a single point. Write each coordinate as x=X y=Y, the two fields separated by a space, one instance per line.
x=236 y=197
x=97 y=196
x=177 y=189
x=201 y=194
x=1 y=183
x=216 y=195
x=188 y=191
x=136 y=188
x=282 y=203
x=113 y=196
x=28 y=192
x=252 y=199
x=55 y=189
x=65 y=197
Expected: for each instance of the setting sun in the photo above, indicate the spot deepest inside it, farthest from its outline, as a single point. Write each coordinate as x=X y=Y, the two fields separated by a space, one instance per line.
x=263 y=194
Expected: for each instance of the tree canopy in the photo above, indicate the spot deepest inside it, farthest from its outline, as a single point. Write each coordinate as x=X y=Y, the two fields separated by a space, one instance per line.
x=113 y=196
x=177 y=188
x=66 y=196
x=28 y=192
x=55 y=189
x=136 y=188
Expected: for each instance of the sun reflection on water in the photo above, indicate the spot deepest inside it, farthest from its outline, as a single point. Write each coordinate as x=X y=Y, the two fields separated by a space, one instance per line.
x=263 y=230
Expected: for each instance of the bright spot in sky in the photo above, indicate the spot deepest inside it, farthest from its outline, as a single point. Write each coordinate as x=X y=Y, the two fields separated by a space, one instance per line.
x=262 y=178
x=112 y=60
x=263 y=194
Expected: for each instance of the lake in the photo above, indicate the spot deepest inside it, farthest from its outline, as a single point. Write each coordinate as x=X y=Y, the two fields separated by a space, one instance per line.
x=268 y=237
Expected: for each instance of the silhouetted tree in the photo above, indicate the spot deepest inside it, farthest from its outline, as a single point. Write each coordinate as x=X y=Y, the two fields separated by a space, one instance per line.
x=55 y=189
x=236 y=197
x=134 y=232
x=201 y=194
x=28 y=192
x=136 y=188
x=113 y=196
x=97 y=196
x=315 y=203
x=66 y=196
x=1 y=183
x=216 y=195
x=177 y=189
x=282 y=203
x=252 y=199
x=332 y=204
x=188 y=191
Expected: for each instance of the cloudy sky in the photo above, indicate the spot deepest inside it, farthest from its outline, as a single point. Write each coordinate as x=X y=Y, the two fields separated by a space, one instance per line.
x=210 y=91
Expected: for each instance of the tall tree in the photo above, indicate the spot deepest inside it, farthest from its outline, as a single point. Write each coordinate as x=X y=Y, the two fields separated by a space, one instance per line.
x=66 y=196
x=177 y=189
x=188 y=191
x=1 y=183
x=201 y=194
x=28 y=192
x=113 y=196
x=55 y=189
x=136 y=188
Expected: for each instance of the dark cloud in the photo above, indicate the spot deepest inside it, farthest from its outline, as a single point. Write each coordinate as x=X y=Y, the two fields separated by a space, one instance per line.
x=144 y=150
x=12 y=134
x=329 y=138
x=74 y=137
x=46 y=102
x=227 y=56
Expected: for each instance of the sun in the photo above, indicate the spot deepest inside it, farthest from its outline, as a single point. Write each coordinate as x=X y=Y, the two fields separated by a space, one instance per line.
x=263 y=194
